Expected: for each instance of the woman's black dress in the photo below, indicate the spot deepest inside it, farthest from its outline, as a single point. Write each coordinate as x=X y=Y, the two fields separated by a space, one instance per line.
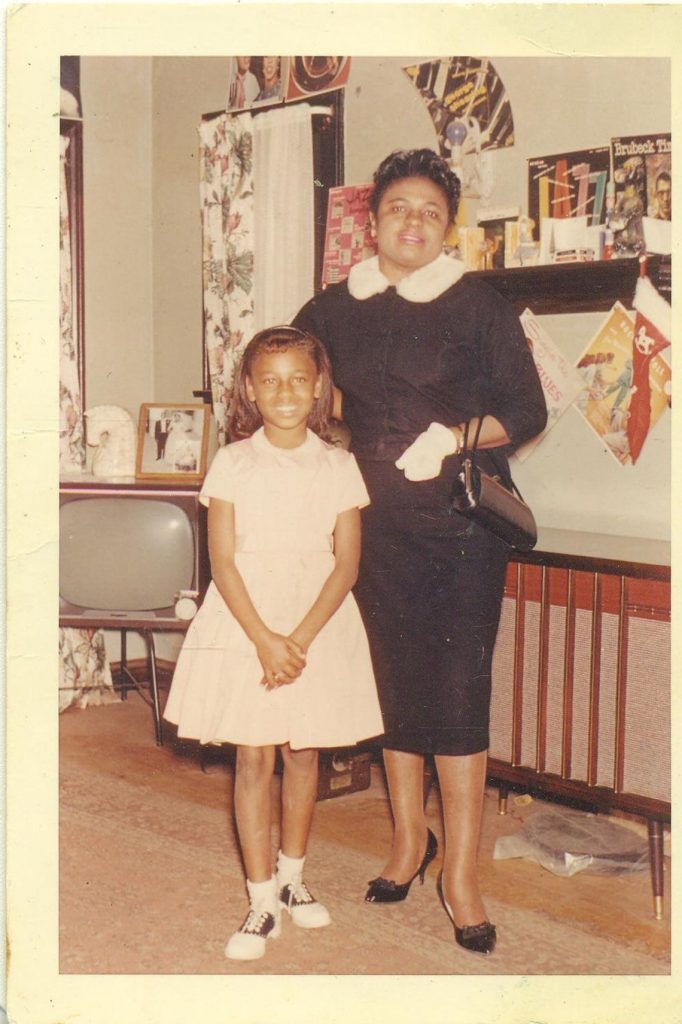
x=431 y=582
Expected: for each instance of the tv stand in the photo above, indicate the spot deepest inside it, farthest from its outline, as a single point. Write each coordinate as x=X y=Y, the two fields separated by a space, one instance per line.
x=128 y=680
x=145 y=623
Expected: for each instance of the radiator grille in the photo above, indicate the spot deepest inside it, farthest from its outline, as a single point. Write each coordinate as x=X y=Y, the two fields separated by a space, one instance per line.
x=582 y=671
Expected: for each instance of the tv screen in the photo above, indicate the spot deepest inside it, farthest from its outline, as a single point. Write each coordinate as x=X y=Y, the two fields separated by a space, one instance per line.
x=127 y=556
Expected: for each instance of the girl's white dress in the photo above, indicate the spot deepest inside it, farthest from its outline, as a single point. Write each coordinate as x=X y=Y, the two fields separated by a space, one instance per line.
x=286 y=503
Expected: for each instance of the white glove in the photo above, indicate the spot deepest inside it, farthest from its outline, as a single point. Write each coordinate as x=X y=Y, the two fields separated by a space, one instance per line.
x=423 y=459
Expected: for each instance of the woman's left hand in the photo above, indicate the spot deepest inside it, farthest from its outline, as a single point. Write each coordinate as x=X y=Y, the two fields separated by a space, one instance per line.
x=424 y=457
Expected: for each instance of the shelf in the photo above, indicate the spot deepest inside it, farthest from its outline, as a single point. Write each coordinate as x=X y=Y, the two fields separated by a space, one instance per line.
x=576 y=287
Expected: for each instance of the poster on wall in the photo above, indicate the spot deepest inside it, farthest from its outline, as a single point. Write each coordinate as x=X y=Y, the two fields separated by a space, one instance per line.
x=348 y=238
x=560 y=380
x=470 y=91
x=641 y=168
x=606 y=367
x=568 y=185
x=254 y=81
x=309 y=76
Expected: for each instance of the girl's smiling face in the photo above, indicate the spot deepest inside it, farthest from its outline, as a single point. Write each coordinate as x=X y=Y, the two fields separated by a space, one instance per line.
x=411 y=222
x=284 y=386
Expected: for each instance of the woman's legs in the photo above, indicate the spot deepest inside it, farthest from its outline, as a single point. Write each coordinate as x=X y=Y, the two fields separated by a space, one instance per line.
x=252 y=804
x=405 y=776
x=299 y=792
x=462 y=783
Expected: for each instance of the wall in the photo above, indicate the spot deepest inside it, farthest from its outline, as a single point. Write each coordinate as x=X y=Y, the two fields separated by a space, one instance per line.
x=143 y=258
x=183 y=90
x=117 y=184
x=558 y=104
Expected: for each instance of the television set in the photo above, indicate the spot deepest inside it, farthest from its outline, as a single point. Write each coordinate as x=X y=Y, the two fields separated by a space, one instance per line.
x=130 y=556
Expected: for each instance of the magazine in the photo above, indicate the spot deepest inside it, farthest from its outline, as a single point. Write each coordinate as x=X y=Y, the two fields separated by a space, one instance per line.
x=641 y=172
x=606 y=367
x=561 y=382
x=347 y=238
x=568 y=185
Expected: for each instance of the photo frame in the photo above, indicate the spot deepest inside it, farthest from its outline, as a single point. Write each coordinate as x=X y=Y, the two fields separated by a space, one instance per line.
x=172 y=441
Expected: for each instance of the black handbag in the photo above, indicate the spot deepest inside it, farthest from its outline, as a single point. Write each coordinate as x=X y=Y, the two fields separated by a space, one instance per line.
x=491 y=501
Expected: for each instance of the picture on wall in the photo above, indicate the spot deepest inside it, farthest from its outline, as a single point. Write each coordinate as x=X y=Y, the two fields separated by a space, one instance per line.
x=348 y=238
x=606 y=367
x=172 y=441
x=467 y=90
x=309 y=76
x=254 y=81
x=568 y=185
x=641 y=169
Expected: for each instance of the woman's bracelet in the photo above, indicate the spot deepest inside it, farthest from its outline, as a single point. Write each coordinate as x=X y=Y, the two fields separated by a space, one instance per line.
x=459 y=440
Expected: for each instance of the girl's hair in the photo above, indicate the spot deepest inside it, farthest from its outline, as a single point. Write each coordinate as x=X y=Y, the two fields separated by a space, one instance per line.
x=416 y=163
x=243 y=416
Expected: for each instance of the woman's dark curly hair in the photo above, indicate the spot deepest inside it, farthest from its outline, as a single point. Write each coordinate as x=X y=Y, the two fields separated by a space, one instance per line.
x=243 y=417
x=416 y=163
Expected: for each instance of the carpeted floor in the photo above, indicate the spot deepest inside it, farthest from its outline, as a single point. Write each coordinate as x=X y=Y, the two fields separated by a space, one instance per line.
x=151 y=881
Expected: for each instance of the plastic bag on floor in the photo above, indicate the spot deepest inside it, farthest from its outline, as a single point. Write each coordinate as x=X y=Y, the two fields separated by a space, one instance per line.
x=566 y=842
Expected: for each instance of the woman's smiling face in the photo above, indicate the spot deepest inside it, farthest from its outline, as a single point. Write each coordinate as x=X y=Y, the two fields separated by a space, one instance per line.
x=411 y=223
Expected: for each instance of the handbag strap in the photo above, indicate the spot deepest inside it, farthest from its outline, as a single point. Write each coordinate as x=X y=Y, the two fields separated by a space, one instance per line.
x=470 y=452
x=465 y=442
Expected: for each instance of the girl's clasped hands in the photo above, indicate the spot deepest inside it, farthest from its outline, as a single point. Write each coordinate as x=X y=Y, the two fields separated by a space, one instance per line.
x=283 y=659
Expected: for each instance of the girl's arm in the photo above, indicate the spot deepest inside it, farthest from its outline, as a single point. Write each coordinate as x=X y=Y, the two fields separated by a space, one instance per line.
x=339 y=581
x=277 y=654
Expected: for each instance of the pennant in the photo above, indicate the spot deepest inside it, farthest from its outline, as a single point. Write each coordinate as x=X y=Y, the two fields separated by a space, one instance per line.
x=652 y=333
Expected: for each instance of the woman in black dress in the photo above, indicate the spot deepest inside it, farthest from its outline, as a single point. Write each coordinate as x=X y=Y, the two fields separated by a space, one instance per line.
x=418 y=351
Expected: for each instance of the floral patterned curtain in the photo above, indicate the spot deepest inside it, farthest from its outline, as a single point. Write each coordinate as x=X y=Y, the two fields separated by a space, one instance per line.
x=227 y=217
x=71 y=434
x=84 y=673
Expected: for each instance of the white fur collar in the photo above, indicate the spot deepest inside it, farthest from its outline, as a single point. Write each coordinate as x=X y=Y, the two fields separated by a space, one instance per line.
x=422 y=285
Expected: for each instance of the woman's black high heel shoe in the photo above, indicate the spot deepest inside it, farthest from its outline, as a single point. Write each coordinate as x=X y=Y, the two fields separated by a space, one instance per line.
x=383 y=890
x=476 y=938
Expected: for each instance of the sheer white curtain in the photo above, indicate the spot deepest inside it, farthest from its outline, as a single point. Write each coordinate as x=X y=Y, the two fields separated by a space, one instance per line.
x=284 y=250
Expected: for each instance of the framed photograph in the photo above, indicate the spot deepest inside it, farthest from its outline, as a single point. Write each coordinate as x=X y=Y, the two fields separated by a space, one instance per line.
x=255 y=81
x=172 y=441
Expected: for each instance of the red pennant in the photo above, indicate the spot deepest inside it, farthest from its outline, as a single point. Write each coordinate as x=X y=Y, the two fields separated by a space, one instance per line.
x=648 y=341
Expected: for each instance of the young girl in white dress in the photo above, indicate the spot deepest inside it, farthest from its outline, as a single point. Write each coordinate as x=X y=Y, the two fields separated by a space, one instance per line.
x=277 y=654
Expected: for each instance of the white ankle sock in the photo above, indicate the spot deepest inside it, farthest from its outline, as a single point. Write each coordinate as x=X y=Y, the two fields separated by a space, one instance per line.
x=261 y=923
x=288 y=868
x=262 y=892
